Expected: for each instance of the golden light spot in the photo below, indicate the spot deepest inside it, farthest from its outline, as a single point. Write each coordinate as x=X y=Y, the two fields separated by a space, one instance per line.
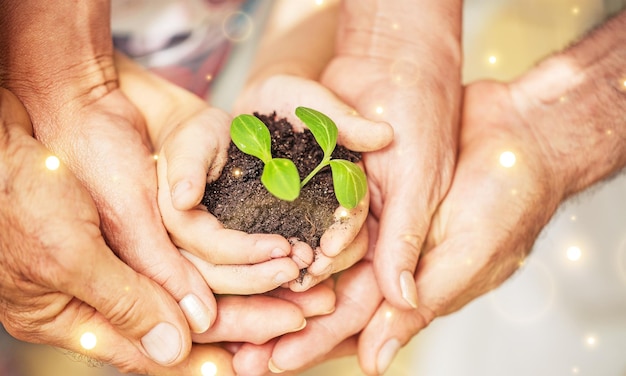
x=395 y=26
x=507 y=159
x=155 y=157
x=208 y=77
x=573 y=218
x=344 y=214
x=514 y=192
x=319 y=2
x=52 y=163
x=88 y=340
x=492 y=59
x=575 y=10
x=379 y=110
x=237 y=172
x=388 y=314
x=609 y=132
x=573 y=253
x=575 y=370
x=208 y=369
x=563 y=99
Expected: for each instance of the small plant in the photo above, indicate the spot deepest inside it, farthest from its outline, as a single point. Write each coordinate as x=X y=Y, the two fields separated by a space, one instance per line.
x=280 y=175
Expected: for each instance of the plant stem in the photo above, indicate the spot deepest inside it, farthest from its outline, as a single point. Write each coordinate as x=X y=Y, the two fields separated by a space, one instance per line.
x=325 y=162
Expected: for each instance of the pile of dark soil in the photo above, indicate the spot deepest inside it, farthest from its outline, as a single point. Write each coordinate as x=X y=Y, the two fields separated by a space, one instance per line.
x=239 y=200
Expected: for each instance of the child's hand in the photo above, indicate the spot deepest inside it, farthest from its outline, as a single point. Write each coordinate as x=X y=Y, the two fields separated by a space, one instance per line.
x=192 y=140
x=345 y=242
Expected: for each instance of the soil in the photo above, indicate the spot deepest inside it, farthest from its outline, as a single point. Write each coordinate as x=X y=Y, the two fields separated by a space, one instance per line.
x=239 y=200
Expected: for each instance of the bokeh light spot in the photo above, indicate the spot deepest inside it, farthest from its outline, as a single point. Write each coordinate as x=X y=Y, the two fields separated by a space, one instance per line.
x=573 y=253
x=238 y=26
x=208 y=369
x=507 y=159
x=88 y=340
x=52 y=163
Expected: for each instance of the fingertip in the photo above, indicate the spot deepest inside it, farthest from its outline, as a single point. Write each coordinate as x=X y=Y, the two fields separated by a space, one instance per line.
x=184 y=195
x=198 y=315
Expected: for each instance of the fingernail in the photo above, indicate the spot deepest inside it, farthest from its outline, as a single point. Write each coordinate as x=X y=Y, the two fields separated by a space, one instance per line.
x=386 y=355
x=278 y=253
x=196 y=312
x=180 y=188
x=281 y=277
x=163 y=343
x=272 y=367
x=407 y=286
x=302 y=326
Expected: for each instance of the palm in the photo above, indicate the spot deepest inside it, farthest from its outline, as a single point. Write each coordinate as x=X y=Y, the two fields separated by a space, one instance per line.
x=409 y=177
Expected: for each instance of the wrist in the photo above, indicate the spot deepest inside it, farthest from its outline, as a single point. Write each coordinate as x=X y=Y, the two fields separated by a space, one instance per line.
x=426 y=33
x=575 y=104
x=60 y=51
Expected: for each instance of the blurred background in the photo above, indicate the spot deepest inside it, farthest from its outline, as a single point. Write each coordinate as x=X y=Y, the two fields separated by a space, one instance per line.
x=562 y=313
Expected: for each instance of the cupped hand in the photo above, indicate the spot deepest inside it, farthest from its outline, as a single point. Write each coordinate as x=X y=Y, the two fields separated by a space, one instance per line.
x=500 y=198
x=344 y=243
x=192 y=141
x=408 y=178
x=59 y=279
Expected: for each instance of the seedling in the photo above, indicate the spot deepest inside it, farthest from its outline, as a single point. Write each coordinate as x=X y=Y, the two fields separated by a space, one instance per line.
x=280 y=175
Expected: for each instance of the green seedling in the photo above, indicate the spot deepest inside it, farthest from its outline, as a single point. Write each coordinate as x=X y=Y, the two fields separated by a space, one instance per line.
x=280 y=176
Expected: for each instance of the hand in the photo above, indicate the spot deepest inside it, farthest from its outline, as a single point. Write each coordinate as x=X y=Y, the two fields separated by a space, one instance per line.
x=414 y=84
x=341 y=245
x=325 y=337
x=192 y=140
x=59 y=279
x=483 y=229
x=466 y=254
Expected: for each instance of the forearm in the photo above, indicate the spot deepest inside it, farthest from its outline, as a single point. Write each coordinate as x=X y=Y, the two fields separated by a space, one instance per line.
x=575 y=102
x=420 y=34
x=296 y=41
x=57 y=50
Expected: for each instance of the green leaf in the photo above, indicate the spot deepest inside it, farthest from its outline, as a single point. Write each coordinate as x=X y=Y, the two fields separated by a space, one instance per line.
x=323 y=128
x=280 y=177
x=251 y=136
x=349 y=182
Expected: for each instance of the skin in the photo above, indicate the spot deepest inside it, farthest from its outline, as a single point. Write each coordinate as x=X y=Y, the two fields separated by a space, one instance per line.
x=77 y=110
x=564 y=120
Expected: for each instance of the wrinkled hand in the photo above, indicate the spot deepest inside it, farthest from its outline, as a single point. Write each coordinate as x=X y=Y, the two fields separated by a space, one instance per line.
x=480 y=235
x=343 y=244
x=485 y=226
x=409 y=178
x=59 y=279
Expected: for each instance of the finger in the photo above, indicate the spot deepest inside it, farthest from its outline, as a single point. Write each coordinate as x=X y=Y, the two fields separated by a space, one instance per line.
x=400 y=239
x=89 y=336
x=386 y=333
x=193 y=230
x=245 y=279
x=345 y=228
x=355 y=132
x=253 y=360
x=323 y=267
x=316 y=301
x=254 y=319
x=133 y=305
x=357 y=299
x=195 y=153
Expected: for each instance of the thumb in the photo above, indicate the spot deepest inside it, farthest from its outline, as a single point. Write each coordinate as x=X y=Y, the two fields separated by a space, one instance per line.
x=129 y=304
x=355 y=132
x=195 y=152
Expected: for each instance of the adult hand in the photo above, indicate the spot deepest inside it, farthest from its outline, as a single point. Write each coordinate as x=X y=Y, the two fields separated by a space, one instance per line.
x=66 y=78
x=345 y=242
x=59 y=279
x=399 y=62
